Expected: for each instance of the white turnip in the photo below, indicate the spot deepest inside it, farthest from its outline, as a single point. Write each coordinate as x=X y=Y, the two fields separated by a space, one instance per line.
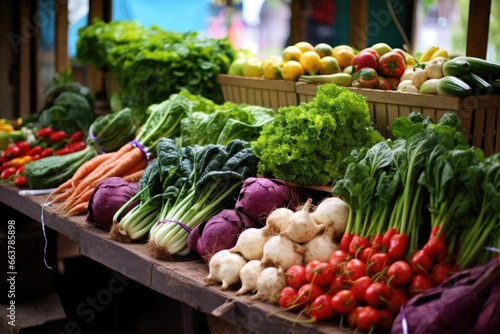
x=224 y=267
x=278 y=221
x=332 y=210
x=302 y=227
x=321 y=246
x=269 y=285
x=281 y=252
x=250 y=244
x=248 y=277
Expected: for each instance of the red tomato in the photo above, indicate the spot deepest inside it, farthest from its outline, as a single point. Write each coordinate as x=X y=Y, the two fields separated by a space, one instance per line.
x=420 y=283
x=421 y=262
x=355 y=268
x=337 y=258
x=366 y=77
x=338 y=283
x=359 y=286
x=365 y=59
x=377 y=294
x=358 y=243
x=387 y=319
x=321 y=308
x=391 y=64
x=308 y=292
x=398 y=246
x=378 y=262
x=343 y=302
x=288 y=298
x=368 y=318
x=20 y=181
x=57 y=136
x=400 y=273
x=386 y=239
x=345 y=241
x=295 y=276
x=398 y=298
x=441 y=272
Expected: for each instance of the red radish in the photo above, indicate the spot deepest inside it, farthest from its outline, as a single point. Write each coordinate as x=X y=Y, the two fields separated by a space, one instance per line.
x=338 y=283
x=420 y=283
x=396 y=300
x=399 y=273
x=343 y=302
x=295 y=276
x=441 y=272
x=359 y=286
x=366 y=254
x=355 y=268
x=368 y=318
x=288 y=298
x=321 y=274
x=386 y=238
x=436 y=249
x=398 y=246
x=387 y=319
x=337 y=258
x=308 y=292
x=345 y=242
x=377 y=294
x=377 y=242
x=378 y=262
x=421 y=262
x=358 y=243
x=321 y=308
x=352 y=317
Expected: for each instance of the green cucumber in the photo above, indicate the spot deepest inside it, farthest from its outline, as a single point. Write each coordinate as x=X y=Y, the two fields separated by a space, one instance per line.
x=456 y=67
x=482 y=67
x=479 y=85
x=450 y=85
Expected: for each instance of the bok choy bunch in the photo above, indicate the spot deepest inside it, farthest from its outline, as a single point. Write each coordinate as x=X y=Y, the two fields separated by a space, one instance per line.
x=198 y=183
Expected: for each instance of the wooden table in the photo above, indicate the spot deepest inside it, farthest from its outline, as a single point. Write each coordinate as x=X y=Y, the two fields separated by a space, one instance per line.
x=182 y=281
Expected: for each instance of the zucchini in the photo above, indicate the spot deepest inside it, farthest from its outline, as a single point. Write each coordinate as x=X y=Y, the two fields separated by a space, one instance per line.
x=340 y=79
x=450 y=85
x=479 y=85
x=482 y=67
x=456 y=67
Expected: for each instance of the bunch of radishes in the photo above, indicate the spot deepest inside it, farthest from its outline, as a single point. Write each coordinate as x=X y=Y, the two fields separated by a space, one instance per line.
x=259 y=260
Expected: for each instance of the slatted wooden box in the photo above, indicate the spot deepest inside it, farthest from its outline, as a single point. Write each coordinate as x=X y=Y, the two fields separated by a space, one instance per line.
x=257 y=91
x=480 y=115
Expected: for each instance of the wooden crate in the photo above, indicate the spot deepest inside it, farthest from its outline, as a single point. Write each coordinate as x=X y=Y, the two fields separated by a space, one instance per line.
x=480 y=115
x=256 y=91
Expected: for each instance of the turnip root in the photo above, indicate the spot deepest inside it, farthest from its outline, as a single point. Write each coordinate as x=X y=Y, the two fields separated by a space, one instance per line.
x=224 y=267
x=269 y=285
x=277 y=221
x=281 y=252
x=250 y=244
x=321 y=246
x=332 y=210
x=301 y=227
x=248 y=277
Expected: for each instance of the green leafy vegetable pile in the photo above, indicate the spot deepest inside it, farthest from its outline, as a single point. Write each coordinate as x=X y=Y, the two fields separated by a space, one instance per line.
x=308 y=143
x=150 y=64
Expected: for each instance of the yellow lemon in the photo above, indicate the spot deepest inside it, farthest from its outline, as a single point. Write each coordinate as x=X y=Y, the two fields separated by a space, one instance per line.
x=271 y=67
x=323 y=49
x=344 y=56
x=291 y=53
x=311 y=62
x=292 y=70
x=329 y=65
x=304 y=46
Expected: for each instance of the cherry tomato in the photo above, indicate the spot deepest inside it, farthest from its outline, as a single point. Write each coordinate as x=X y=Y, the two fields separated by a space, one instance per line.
x=400 y=273
x=337 y=258
x=288 y=298
x=386 y=238
x=321 y=308
x=11 y=152
x=441 y=272
x=62 y=151
x=295 y=276
x=355 y=268
x=76 y=146
x=35 y=150
x=36 y=157
x=368 y=318
x=397 y=299
x=398 y=246
x=343 y=302
x=57 y=136
x=308 y=292
x=359 y=286
x=20 y=181
x=387 y=319
x=77 y=136
x=20 y=170
x=338 y=283
x=378 y=262
x=377 y=294
x=44 y=132
x=8 y=172
x=24 y=147
x=358 y=243
x=345 y=241
x=421 y=262
x=47 y=152
x=436 y=249
x=391 y=64
x=321 y=274
x=420 y=283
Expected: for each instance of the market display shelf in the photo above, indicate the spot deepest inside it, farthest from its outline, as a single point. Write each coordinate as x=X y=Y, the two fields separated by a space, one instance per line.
x=179 y=280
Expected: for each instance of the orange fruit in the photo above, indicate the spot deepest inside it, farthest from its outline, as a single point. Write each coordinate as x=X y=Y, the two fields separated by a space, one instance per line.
x=292 y=70
x=344 y=56
x=329 y=65
x=291 y=53
x=311 y=62
x=272 y=67
x=323 y=49
x=304 y=46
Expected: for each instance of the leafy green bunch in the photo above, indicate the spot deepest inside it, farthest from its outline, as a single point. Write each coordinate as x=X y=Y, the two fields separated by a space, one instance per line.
x=308 y=143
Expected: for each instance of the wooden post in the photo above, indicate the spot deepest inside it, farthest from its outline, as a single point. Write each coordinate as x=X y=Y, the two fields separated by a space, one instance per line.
x=357 y=24
x=478 y=27
x=298 y=21
x=61 y=37
x=27 y=31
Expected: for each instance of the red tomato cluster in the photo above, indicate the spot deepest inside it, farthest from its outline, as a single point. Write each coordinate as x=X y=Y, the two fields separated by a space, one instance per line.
x=378 y=72
x=49 y=142
x=363 y=283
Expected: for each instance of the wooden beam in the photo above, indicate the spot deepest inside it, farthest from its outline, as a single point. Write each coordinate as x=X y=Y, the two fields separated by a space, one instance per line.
x=61 y=37
x=298 y=21
x=25 y=34
x=357 y=24
x=478 y=27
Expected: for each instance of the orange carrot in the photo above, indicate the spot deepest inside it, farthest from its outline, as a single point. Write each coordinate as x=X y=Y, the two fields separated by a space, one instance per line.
x=134 y=177
x=77 y=209
x=65 y=185
x=89 y=166
x=126 y=162
x=141 y=165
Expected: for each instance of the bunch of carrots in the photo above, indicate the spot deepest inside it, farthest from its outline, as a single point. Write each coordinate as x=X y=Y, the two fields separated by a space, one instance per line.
x=128 y=163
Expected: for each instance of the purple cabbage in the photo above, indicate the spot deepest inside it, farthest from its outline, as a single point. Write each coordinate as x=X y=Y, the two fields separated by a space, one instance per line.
x=109 y=195
x=259 y=196
x=219 y=232
x=466 y=303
